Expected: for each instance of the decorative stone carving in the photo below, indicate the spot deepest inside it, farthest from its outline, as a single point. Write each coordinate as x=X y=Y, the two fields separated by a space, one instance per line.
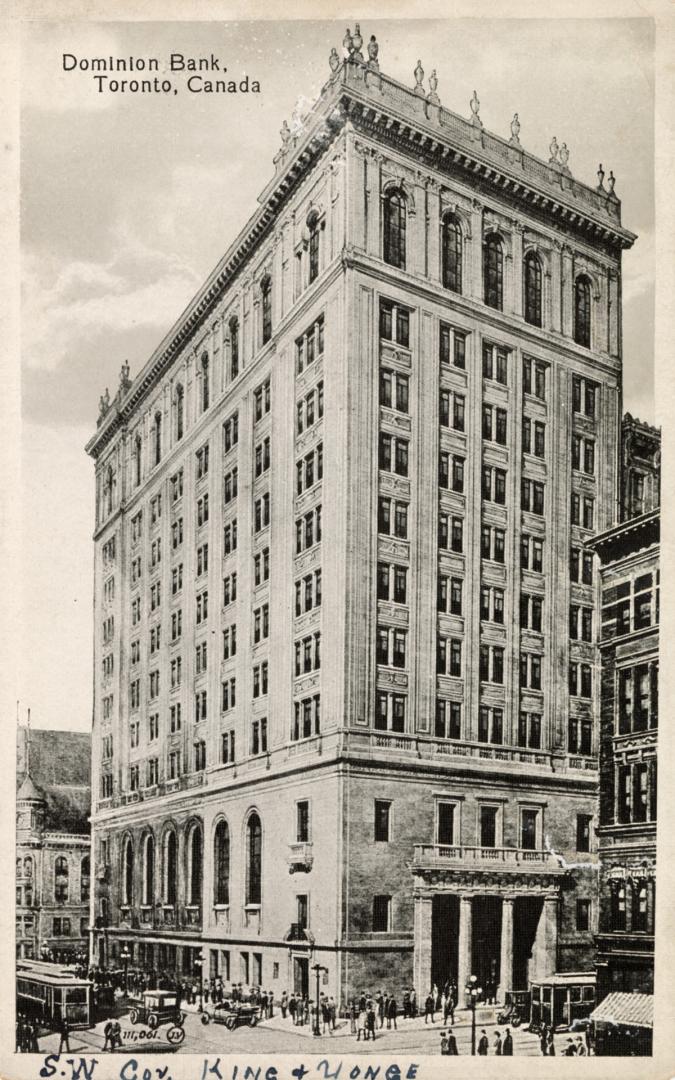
x=333 y=60
x=432 y=96
x=515 y=130
x=610 y=184
x=564 y=156
x=554 y=151
x=103 y=404
x=373 y=51
x=348 y=43
x=475 y=109
x=357 y=42
x=601 y=177
x=419 y=76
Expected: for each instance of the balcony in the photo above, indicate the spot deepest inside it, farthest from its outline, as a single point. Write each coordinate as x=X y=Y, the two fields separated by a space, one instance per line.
x=516 y=860
x=428 y=747
x=300 y=858
x=166 y=915
x=192 y=916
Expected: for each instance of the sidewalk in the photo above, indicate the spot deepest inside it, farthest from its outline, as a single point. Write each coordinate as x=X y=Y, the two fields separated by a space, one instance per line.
x=343 y=1025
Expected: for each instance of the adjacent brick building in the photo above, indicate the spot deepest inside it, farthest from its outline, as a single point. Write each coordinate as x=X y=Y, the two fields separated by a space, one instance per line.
x=629 y=648
x=345 y=671
x=53 y=843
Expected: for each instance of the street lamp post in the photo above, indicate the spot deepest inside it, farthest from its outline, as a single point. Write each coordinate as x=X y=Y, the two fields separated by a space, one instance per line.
x=199 y=964
x=474 y=992
x=317 y=969
x=125 y=956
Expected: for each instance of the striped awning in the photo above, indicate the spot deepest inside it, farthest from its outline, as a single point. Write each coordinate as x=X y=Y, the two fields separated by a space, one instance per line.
x=634 y=1010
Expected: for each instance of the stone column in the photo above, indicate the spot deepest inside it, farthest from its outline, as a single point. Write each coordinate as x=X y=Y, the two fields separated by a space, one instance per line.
x=373 y=204
x=613 y=314
x=556 y=289
x=506 y=952
x=546 y=942
x=464 y=957
x=517 y=268
x=433 y=231
x=356 y=195
x=567 y=291
x=476 y=271
x=422 y=957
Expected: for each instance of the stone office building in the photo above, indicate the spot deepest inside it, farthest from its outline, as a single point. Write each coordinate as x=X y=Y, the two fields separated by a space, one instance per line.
x=345 y=670
x=53 y=844
x=628 y=557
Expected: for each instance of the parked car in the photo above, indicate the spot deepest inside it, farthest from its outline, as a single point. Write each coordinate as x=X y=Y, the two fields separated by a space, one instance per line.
x=230 y=1013
x=157 y=1007
x=516 y=1010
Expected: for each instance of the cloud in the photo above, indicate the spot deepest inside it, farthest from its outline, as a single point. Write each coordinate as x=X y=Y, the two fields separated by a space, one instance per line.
x=67 y=306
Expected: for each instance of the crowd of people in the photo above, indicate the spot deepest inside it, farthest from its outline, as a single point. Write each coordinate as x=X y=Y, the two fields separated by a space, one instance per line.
x=27 y=1031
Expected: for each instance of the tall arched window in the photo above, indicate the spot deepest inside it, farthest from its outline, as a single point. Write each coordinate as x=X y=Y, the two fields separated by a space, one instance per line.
x=149 y=870
x=451 y=253
x=266 y=314
x=180 y=411
x=28 y=867
x=253 y=859
x=109 y=484
x=170 y=867
x=493 y=272
x=394 y=227
x=61 y=879
x=532 y=288
x=313 y=225
x=234 y=346
x=128 y=873
x=157 y=438
x=137 y=460
x=195 y=867
x=205 y=381
x=85 y=876
x=221 y=864
x=582 y=311
x=639 y=912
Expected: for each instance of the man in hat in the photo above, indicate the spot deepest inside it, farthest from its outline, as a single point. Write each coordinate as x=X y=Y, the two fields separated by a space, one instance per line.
x=507 y=1045
x=483 y=1043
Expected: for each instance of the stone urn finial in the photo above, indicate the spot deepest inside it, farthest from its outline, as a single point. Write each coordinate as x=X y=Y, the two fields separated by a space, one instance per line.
x=601 y=178
x=611 y=182
x=373 y=50
x=334 y=60
x=475 y=106
x=348 y=42
x=357 y=42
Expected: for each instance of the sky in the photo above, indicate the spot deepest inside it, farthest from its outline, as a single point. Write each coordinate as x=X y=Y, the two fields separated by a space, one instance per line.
x=128 y=202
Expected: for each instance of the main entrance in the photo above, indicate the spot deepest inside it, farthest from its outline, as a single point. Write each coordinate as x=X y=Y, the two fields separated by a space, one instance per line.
x=526 y=915
x=444 y=939
x=486 y=943
x=301 y=975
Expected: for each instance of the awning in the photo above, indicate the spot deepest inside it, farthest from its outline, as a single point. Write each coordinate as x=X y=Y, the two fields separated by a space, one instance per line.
x=634 y=1010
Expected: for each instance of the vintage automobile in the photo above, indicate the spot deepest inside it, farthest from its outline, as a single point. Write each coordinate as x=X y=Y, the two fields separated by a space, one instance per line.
x=231 y=1013
x=516 y=1009
x=156 y=1008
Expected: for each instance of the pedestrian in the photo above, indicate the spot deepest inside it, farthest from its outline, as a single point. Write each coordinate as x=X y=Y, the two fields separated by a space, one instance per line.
x=270 y=1005
x=380 y=1008
x=32 y=1037
x=449 y=1009
x=263 y=1005
x=550 y=1042
x=406 y=1004
x=483 y=1043
x=444 y=1043
x=570 y=1050
x=581 y=1049
x=353 y=1016
x=391 y=1012
x=361 y=1026
x=283 y=1005
x=507 y=1045
x=543 y=1040
x=452 y=1043
x=589 y=1039
x=429 y=1009
x=107 y=1031
x=370 y=1021
x=325 y=1015
x=332 y=1010
x=413 y=1002
x=64 y=1033
x=498 y=1044
x=362 y=1002
x=293 y=1009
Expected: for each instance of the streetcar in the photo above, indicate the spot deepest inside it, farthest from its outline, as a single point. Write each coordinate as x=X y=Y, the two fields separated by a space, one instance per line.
x=563 y=1000
x=49 y=993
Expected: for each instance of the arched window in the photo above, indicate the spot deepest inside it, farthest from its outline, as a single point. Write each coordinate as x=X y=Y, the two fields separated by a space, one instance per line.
x=619 y=906
x=532 y=289
x=266 y=293
x=180 y=411
x=137 y=460
x=109 y=484
x=28 y=867
x=313 y=225
x=61 y=879
x=221 y=864
x=195 y=867
x=493 y=272
x=85 y=875
x=149 y=871
x=128 y=873
x=170 y=867
x=394 y=225
x=582 y=311
x=234 y=346
x=157 y=438
x=205 y=381
x=253 y=859
x=451 y=253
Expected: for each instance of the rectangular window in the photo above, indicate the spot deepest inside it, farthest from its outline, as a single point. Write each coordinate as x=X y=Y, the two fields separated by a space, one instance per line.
x=583 y=914
x=302 y=822
x=381 y=821
x=584 y=832
x=445 y=823
x=381 y=914
x=528 y=829
x=488 y=826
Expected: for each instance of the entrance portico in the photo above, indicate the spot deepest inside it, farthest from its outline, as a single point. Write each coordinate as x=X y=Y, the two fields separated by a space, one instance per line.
x=472 y=917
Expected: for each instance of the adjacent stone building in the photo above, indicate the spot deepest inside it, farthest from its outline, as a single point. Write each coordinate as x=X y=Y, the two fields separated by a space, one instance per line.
x=53 y=842
x=346 y=677
x=629 y=647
